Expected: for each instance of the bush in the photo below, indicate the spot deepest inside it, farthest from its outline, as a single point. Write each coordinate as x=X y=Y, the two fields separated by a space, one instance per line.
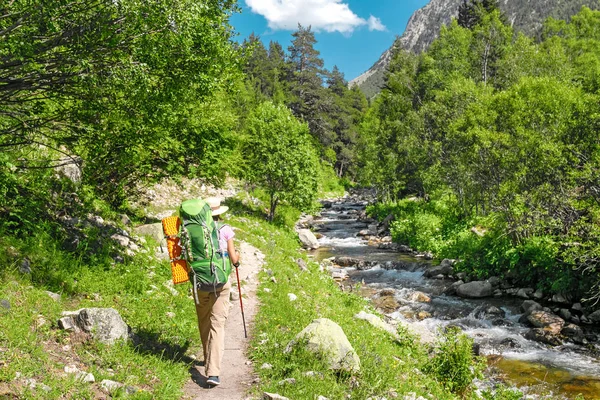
x=453 y=363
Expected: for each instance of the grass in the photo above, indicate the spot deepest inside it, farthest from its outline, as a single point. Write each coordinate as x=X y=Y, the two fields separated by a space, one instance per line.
x=157 y=362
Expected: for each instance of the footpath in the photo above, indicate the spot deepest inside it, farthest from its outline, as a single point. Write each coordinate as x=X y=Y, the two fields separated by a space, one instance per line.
x=237 y=374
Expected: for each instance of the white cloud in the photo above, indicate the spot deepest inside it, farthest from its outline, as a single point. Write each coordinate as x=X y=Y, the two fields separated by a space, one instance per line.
x=327 y=15
x=375 y=24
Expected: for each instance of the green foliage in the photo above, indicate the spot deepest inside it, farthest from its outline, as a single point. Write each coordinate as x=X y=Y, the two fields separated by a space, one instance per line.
x=114 y=87
x=453 y=363
x=502 y=392
x=281 y=157
x=500 y=127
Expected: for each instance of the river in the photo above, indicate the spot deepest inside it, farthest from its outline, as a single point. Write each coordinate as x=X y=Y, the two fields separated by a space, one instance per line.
x=538 y=370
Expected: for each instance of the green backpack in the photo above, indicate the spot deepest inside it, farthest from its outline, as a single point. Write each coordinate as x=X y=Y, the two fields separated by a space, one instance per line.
x=210 y=267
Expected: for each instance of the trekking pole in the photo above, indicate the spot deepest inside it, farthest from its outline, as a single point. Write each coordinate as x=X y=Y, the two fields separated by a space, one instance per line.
x=237 y=274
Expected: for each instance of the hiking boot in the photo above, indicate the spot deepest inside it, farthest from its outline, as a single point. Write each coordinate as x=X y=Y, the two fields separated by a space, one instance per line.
x=213 y=380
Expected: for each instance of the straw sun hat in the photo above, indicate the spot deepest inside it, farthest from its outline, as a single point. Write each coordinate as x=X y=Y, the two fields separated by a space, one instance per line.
x=215 y=206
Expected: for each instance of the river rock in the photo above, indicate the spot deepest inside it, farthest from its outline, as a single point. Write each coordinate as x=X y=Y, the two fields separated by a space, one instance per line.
x=574 y=332
x=325 y=337
x=347 y=261
x=494 y=281
x=524 y=293
x=493 y=312
x=560 y=299
x=475 y=289
x=538 y=294
x=386 y=303
x=565 y=314
x=529 y=306
x=308 y=239
x=451 y=290
x=543 y=336
x=445 y=268
x=577 y=308
x=594 y=317
x=385 y=224
x=339 y=274
x=419 y=297
x=548 y=321
x=423 y=315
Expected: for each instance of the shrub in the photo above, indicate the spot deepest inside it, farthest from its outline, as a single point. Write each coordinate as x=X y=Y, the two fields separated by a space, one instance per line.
x=453 y=363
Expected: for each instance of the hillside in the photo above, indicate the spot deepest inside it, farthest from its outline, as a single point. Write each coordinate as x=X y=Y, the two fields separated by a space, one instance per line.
x=424 y=25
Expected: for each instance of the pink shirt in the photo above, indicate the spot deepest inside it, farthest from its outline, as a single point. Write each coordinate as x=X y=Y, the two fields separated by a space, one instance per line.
x=225 y=233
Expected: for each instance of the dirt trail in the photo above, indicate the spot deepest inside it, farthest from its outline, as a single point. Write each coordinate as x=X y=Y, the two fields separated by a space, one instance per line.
x=237 y=375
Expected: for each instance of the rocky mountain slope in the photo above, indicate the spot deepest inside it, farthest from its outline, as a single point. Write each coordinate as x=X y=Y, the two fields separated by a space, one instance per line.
x=424 y=25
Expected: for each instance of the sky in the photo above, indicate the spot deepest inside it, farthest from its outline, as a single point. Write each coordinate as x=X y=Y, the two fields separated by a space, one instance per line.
x=351 y=34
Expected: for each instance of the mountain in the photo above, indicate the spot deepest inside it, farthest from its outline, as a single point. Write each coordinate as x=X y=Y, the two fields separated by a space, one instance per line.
x=424 y=26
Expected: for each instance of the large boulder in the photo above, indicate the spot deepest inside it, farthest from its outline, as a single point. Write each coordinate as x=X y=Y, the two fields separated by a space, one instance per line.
x=475 y=289
x=155 y=231
x=308 y=239
x=547 y=321
x=326 y=338
x=104 y=324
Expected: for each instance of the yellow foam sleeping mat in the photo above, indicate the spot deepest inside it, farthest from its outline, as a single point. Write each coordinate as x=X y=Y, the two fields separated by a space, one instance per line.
x=179 y=268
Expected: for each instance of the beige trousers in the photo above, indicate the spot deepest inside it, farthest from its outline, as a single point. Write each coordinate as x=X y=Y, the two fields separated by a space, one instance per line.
x=212 y=311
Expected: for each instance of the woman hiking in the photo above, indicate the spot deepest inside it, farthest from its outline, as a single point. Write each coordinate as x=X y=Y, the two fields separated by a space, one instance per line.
x=212 y=307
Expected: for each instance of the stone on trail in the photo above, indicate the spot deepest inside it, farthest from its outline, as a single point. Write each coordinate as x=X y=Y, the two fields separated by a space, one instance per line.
x=302 y=264
x=475 y=289
x=273 y=396
x=327 y=338
x=308 y=239
x=110 y=386
x=104 y=324
x=292 y=297
x=54 y=296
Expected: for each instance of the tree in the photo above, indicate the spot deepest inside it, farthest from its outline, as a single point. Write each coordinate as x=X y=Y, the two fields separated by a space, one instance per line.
x=281 y=158
x=109 y=83
x=305 y=84
x=472 y=12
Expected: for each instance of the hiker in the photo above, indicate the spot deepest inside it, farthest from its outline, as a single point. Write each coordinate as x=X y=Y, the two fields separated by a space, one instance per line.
x=212 y=307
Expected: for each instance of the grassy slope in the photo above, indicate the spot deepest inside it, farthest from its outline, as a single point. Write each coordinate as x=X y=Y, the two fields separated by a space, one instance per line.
x=158 y=365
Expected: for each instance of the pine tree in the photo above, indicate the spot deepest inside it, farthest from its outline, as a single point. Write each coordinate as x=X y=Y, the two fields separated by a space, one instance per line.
x=256 y=65
x=471 y=12
x=305 y=81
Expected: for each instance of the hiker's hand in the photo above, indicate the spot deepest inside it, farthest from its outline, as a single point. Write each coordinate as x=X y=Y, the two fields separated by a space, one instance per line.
x=237 y=264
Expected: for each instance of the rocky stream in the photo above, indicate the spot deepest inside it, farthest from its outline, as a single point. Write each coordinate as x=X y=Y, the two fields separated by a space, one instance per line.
x=545 y=346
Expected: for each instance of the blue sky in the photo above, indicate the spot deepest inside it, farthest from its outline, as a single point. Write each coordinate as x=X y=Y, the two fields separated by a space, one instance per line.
x=351 y=34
